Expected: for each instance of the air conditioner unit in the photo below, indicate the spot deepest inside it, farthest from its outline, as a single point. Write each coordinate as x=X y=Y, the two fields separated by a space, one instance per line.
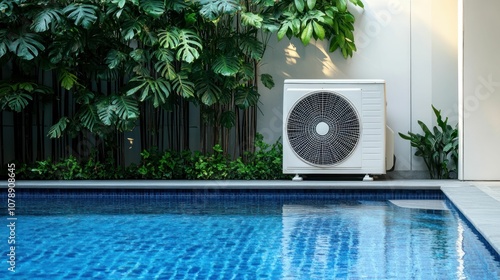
x=334 y=127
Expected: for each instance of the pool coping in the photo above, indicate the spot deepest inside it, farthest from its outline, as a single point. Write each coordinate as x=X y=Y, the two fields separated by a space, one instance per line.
x=481 y=209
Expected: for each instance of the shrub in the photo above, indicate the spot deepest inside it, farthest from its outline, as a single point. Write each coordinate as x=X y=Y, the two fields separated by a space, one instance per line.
x=438 y=148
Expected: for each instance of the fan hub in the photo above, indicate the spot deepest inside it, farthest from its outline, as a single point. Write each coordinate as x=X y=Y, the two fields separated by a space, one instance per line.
x=322 y=128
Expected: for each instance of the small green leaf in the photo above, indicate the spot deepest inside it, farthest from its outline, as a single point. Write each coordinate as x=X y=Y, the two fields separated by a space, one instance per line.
x=311 y=4
x=299 y=4
x=267 y=80
x=67 y=80
x=228 y=120
x=342 y=5
x=319 y=30
x=306 y=34
x=282 y=32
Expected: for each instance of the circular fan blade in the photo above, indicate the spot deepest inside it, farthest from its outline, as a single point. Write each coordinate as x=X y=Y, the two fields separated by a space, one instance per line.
x=323 y=128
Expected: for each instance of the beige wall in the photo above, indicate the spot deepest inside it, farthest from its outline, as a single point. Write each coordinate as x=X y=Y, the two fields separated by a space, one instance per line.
x=410 y=44
x=480 y=91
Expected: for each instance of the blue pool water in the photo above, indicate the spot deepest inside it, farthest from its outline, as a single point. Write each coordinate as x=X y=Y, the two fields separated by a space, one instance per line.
x=235 y=236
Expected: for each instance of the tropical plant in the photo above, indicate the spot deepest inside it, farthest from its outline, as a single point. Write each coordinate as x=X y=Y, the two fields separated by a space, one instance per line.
x=319 y=20
x=119 y=64
x=438 y=147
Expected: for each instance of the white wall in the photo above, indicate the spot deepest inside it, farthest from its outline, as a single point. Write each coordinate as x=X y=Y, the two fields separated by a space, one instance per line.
x=410 y=44
x=480 y=92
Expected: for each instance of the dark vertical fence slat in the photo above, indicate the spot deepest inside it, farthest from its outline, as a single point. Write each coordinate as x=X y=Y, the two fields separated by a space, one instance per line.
x=2 y=146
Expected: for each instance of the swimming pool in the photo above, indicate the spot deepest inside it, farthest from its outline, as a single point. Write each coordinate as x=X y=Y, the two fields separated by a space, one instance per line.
x=214 y=234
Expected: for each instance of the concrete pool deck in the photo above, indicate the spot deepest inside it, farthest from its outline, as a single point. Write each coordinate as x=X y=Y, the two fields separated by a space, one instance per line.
x=479 y=202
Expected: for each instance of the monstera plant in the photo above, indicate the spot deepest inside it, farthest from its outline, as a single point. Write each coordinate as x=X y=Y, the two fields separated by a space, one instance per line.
x=116 y=64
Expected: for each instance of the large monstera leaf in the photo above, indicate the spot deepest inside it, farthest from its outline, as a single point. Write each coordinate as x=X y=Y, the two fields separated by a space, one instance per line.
x=25 y=45
x=84 y=15
x=154 y=8
x=213 y=9
x=57 y=130
x=148 y=88
x=46 y=19
x=226 y=65
x=187 y=43
x=117 y=108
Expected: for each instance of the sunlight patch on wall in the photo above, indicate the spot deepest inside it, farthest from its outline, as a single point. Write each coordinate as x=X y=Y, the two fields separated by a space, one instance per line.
x=291 y=54
x=329 y=69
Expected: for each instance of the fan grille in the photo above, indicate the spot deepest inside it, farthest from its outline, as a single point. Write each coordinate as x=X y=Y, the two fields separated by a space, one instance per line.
x=323 y=128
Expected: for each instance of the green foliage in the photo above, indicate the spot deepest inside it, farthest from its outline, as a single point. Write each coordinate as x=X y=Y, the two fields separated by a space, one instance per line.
x=17 y=95
x=311 y=19
x=115 y=59
x=69 y=169
x=438 y=147
x=263 y=164
x=57 y=129
x=169 y=165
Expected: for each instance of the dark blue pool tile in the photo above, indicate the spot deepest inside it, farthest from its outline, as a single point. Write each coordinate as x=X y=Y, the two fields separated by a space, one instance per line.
x=193 y=195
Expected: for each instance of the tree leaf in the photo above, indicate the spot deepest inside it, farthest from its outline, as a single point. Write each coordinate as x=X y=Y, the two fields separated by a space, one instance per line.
x=226 y=65
x=169 y=38
x=16 y=101
x=246 y=97
x=342 y=6
x=319 y=30
x=252 y=47
x=106 y=111
x=88 y=117
x=57 y=130
x=67 y=80
x=127 y=107
x=189 y=43
x=166 y=69
x=283 y=30
x=26 y=45
x=115 y=58
x=84 y=15
x=228 y=119
x=306 y=34
x=45 y=19
x=3 y=43
x=267 y=80
x=154 y=8
x=181 y=85
x=213 y=9
x=208 y=90
x=311 y=4
x=177 y=5
x=251 y=19
x=299 y=5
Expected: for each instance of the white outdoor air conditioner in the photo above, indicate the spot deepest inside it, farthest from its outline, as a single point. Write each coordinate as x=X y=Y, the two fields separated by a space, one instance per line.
x=334 y=127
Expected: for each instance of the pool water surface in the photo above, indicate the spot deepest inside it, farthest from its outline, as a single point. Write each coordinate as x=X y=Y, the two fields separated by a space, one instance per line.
x=250 y=237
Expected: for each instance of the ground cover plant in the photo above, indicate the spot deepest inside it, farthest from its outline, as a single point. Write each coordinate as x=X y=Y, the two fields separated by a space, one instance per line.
x=265 y=163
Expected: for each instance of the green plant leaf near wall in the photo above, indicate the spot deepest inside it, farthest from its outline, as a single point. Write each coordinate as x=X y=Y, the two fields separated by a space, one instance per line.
x=437 y=147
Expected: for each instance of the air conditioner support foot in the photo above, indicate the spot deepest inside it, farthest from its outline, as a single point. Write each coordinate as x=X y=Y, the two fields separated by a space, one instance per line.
x=367 y=178
x=297 y=178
